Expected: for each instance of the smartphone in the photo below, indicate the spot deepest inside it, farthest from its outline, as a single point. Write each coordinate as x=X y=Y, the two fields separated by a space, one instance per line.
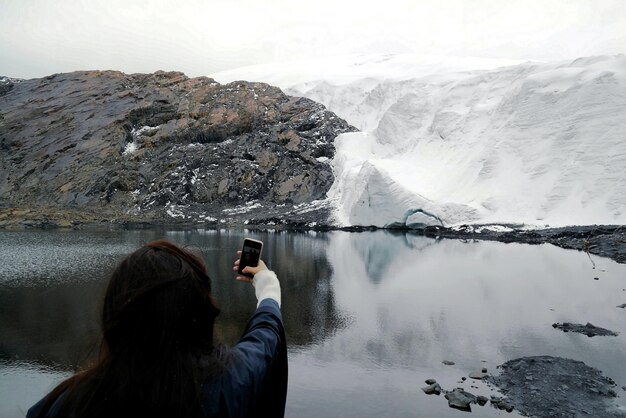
x=250 y=255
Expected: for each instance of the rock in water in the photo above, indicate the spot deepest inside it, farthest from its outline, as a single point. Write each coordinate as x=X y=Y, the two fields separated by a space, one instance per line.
x=162 y=147
x=588 y=329
x=431 y=389
x=477 y=375
x=558 y=387
x=460 y=399
x=502 y=404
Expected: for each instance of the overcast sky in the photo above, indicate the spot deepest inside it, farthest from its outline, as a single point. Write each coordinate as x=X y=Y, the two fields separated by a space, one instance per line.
x=41 y=37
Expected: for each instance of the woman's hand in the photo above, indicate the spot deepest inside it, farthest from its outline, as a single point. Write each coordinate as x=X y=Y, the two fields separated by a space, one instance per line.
x=265 y=282
x=249 y=269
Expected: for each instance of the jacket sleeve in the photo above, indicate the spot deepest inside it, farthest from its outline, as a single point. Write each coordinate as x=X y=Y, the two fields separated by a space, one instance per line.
x=260 y=362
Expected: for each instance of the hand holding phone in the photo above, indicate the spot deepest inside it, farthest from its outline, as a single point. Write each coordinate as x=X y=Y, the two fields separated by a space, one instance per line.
x=250 y=256
x=265 y=282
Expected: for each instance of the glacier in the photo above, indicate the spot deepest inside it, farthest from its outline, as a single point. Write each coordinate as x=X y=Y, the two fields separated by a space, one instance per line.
x=451 y=141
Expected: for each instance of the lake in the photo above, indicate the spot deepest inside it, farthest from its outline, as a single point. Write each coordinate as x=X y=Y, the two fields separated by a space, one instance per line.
x=369 y=316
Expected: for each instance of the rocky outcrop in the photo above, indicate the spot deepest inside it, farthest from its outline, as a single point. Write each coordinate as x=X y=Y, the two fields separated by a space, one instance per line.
x=7 y=83
x=162 y=147
x=545 y=386
x=603 y=240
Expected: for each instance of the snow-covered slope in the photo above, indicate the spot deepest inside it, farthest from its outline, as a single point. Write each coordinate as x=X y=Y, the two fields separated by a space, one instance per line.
x=530 y=143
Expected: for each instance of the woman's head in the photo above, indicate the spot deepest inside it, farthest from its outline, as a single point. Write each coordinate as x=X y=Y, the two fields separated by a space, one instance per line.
x=158 y=299
x=157 y=323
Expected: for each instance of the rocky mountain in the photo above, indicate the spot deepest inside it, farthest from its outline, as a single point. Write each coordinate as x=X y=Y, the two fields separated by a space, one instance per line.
x=161 y=148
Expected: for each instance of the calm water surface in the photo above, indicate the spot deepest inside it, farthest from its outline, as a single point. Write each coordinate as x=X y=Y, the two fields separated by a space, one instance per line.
x=369 y=316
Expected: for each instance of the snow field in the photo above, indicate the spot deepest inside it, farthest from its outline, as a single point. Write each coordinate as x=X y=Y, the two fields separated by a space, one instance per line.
x=446 y=143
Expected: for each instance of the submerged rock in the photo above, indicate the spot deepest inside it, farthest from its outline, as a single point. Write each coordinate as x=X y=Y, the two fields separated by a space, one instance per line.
x=448 y=363
x=588 y=329
x=558 y=387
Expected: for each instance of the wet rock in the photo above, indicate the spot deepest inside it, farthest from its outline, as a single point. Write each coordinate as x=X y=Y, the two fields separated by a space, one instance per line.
x=460 y=399
x=481 y=400
x=477 y=375
x=448 y=363
x=559 y=387
x=596 y=278
x=430 y=381
x=588 y=329
x=623 y=305
x=484 y=370
x=433 y=388
x=502 y=404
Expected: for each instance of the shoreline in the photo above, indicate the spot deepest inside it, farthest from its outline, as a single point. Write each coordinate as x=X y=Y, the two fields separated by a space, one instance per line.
x=600 y=240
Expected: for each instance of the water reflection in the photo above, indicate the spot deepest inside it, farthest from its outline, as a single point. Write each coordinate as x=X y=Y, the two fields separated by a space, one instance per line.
x=22 y=383
x=380 y=251
x=469 y=301
x=52 y=283
x=368 y=316
x=417 y=301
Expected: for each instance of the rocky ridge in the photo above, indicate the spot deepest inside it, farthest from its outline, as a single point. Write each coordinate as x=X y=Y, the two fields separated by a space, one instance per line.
x=104 y=146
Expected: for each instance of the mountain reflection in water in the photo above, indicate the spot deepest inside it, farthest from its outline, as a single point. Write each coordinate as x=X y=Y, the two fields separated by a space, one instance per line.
x=369 y=316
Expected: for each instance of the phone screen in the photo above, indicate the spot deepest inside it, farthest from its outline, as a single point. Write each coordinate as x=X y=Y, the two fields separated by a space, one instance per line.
x=250 y=255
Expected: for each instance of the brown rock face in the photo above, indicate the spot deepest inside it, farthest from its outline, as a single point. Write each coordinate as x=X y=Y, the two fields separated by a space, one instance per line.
x=162 y=146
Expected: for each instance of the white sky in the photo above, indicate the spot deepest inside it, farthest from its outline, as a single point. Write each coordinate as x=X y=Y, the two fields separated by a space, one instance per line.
x=41 y=37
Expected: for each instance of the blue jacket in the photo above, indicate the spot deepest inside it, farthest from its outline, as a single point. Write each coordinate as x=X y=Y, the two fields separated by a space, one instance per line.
x=254 y=385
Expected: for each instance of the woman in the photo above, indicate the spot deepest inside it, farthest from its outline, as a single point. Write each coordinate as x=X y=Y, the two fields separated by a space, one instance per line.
x=158 y=358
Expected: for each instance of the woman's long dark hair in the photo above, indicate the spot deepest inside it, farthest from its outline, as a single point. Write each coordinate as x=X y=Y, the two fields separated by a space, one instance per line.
x=157 y=322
